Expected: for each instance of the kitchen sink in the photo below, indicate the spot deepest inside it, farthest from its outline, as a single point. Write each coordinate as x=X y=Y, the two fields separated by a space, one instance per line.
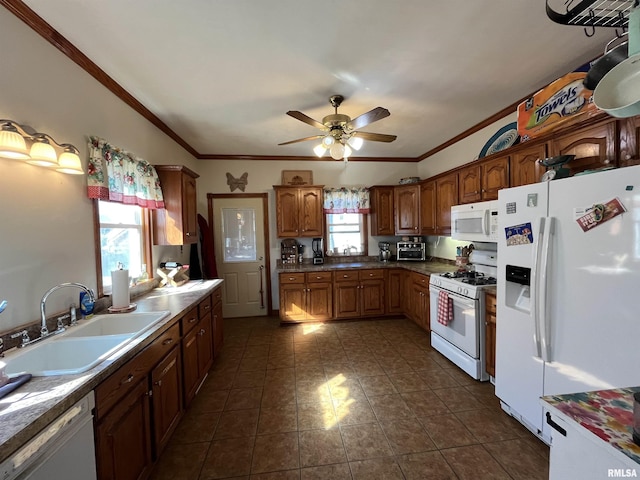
x=116 y=324
x=83 y=346
x=62 y=356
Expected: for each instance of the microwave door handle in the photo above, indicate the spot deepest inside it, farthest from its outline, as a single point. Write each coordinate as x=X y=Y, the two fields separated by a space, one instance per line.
x=485 y=224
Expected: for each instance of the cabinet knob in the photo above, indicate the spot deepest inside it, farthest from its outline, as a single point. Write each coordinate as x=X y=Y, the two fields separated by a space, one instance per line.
x=168 y=341
x=627 y=157
x=207 y=307
x=193 y=320
x=129 y=379
x=291 y=279
x=607 y=162
x=188 y=234
x=158 y=383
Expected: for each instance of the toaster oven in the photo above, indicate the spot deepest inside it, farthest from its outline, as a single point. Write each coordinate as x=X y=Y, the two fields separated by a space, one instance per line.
x=411 y=251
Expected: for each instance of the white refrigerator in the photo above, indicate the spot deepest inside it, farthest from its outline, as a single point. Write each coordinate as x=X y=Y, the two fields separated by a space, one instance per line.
x=568 y=315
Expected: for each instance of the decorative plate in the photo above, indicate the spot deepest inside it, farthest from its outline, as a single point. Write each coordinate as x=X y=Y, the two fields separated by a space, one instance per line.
x=503 y=138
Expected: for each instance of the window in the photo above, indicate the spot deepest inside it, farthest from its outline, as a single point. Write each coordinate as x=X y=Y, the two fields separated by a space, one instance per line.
x=239 y=233
x=124 y=236
x=346 y=234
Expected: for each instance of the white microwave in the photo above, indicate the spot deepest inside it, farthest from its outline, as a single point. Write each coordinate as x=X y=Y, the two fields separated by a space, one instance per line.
x=475 y=222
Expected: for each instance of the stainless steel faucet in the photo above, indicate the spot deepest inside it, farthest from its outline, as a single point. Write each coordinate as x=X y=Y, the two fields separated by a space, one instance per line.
x=44 y=331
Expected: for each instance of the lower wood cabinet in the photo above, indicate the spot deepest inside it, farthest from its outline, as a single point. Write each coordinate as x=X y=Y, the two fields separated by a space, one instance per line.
x=490 y=334
x=306 y=296
x=197 y=348
x=218 y=323
x=359 y=293
x=166 y=390
x=417 y=305
x=395 y=291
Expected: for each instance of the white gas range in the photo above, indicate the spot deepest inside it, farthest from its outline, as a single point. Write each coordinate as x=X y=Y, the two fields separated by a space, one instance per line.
x=457 y=312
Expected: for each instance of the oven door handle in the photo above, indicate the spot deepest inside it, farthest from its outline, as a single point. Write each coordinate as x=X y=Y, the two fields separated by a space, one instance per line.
x=468 y=301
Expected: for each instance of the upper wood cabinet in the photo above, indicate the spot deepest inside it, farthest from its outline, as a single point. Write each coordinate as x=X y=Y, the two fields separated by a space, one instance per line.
x=407 y=209
x=382 y=222
x=446 y=197
x=177 y=223
x=299 y=211
x=481 y=181
x=428 y=208
x=525 y=165
x=629 y=141
x=594 y=147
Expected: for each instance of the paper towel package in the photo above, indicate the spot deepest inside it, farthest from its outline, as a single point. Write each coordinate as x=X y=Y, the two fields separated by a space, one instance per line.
x=120 y=288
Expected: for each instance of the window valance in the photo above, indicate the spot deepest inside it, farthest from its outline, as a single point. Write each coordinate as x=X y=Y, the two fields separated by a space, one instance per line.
x=119 y=176
x=346 y=200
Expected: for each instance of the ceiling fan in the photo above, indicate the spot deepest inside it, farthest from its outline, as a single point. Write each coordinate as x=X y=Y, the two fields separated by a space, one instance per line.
x=340 y=133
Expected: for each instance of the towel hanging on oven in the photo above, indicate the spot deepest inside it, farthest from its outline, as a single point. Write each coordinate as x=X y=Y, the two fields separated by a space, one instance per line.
x=445 y=308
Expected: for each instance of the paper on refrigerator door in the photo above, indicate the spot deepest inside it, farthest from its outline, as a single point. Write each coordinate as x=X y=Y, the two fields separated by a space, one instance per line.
x=598 y=213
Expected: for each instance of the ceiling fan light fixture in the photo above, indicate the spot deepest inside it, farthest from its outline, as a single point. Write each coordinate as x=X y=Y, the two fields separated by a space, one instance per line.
x=347 y=151
x=328 y=140
x=355 y=143
x=337 y=151
x=319 y=150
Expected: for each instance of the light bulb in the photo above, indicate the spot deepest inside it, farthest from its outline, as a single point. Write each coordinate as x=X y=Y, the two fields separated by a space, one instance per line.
x=43 y=154
x=356 y=142
x=328 y=140
x=69 y=162
x=319 y=150
x=347 y=151
x=337 y=151
x=12 y=144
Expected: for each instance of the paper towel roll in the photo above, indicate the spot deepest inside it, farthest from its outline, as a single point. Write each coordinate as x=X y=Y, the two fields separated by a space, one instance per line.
x=120 y=288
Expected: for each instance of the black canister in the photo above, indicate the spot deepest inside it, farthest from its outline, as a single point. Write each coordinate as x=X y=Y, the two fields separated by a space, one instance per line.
x=636 y=418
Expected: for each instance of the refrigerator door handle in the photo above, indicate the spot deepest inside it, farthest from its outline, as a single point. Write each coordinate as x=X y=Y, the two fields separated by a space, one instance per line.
x=537 y=247
x=543 y=301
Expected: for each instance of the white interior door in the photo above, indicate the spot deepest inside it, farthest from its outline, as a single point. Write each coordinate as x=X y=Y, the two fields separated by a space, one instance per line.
x=240 y=255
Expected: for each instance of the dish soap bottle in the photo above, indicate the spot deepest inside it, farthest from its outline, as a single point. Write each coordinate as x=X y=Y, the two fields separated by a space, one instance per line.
x=86 y=305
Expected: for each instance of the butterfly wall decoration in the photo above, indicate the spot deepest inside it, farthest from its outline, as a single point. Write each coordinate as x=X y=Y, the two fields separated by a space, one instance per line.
x=237 y=182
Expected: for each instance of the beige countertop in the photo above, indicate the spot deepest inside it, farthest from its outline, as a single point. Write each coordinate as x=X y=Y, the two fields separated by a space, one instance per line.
x=31 y=407
x=426 y=268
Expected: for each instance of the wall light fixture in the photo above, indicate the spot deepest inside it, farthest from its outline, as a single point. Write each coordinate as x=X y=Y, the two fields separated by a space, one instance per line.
x=21 y=142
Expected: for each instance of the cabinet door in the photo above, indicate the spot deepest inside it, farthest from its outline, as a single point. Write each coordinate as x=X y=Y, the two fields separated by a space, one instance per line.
x=310 y=223
x=414 y=302
x=123 y=438
x=287 y=215
x=594 y=147
x=495 y=176
x=218 y=329
x=525 y=166
x=629 y=141
x=490 y=335
x=189 y=210
x=469 y=184
x=292 y=302
x=407 y=207
x=176 y=224
x=395 y=291
x=372 y=298
x=190 y=373
x=428 y=208
x=381 y=215
x=205 y=345
x=446 y=197
x=346 y=299
x=422 y=311
x=166 y=401
x=319 y=301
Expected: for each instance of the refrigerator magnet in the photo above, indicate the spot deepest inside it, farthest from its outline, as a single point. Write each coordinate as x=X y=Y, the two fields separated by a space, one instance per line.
x=598 y=213
x=519 y=234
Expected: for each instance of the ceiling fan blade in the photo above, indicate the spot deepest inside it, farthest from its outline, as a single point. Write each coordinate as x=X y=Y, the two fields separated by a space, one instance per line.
x=302 y=139
x=305 y=118
x=371 y=116
x=375 y=137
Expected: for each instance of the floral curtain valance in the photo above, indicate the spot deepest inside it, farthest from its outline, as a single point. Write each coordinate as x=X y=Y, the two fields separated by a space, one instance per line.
x=119 y=176
x=346 y=200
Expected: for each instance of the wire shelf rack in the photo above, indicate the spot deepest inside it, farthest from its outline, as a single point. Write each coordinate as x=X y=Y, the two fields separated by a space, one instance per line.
x=593 y=13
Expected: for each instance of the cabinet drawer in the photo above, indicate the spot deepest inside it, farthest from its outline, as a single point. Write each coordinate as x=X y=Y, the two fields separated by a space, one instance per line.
x=204 y=306
x=371 y=274
x=217 y=296
x=292 y=278
x=420 y=279
x=189 y=321
x=346 y=275
x=162 y=345
x=317 y=277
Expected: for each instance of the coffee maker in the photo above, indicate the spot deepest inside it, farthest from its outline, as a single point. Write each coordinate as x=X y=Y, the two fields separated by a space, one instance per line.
x=318 y=254
x=385 y=251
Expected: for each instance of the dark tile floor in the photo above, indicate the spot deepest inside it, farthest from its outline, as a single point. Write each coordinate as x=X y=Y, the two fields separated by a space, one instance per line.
x=354 y=400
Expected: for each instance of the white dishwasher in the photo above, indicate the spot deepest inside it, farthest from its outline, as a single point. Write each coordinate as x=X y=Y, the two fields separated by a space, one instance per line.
x=63 y=449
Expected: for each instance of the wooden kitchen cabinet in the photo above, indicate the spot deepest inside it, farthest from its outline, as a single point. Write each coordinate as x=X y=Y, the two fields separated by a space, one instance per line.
x=428 y=208
x=481 y=182
x=382 y=216
x=306 y=297
x=446 y=197
x=299 y=211
x=177 y=223
x=218 y=322
x=125 y=447
x=166 y=388
x=490 y=333
x=418 y=303
x=629 y=141
x=593 y=146
x=197 y=347
x=395 y=291
x=407 y=209
x=525 y=165
x=359 y=293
